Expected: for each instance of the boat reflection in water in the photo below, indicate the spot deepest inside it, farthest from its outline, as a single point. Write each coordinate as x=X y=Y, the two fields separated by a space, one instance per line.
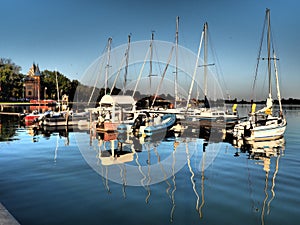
x=264 y=152
x=145 y=161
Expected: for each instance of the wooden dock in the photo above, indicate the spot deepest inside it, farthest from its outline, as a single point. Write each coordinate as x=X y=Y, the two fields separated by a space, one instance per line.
x=11 y=114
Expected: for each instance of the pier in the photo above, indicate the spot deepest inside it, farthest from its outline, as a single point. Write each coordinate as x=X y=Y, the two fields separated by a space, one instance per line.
x=11 y=114
x=6 y=218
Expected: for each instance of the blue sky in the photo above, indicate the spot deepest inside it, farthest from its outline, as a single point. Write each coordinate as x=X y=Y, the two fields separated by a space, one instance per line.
x=69 y=35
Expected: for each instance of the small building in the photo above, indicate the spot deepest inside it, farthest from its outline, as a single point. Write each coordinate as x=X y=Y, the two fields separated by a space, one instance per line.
x=32 y=83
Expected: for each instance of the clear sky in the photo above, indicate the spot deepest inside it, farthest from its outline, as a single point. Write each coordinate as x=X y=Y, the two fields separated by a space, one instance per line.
x=68 y=35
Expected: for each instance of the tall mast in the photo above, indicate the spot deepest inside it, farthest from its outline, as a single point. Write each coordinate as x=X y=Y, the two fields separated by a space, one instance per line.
x=176 y=69
x=126 y=67
x=269 y=52
x=151 y=56
x=107 y=64
x=195 y=71
x=205 y=59
x=57 y=90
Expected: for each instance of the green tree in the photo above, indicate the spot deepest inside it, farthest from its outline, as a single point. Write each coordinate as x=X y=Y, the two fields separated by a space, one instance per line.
x=11 y=81
x=65 y=85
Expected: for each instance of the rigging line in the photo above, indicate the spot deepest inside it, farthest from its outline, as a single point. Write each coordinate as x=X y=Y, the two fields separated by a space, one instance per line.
x=277 y=83
x=158 y=62
x=95 y=83
x=264 y=84
x=118 y=74
x=141 y=71
x=216 y=58
x=258 y=57
x=103 y=51
x=195 y=70
x=162 y=78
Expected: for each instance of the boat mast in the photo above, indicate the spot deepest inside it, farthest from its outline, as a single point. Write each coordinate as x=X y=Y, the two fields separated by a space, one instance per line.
x=151 y=56
x=126 y=67
x=107 y=64
x=195 y=70
x=205 y=59
x=57 y=90
x=269 y=52
x=176 y=69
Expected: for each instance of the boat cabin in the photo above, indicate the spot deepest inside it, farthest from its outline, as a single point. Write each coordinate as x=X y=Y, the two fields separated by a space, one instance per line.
x=115 y=107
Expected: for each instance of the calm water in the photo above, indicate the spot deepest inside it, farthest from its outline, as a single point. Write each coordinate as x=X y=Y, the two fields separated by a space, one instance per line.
x=54 y=178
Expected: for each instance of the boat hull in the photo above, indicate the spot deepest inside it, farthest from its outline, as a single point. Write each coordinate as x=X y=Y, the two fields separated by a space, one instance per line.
x=30 y=119
x=167 y=121
x=265 y=133
x=269 y=132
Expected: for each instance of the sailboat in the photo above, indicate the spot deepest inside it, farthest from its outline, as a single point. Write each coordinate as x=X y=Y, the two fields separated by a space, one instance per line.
x=263 y=125
x=208 y=113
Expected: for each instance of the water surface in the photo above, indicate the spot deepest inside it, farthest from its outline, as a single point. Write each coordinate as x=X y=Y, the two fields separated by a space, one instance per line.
x=46 y=179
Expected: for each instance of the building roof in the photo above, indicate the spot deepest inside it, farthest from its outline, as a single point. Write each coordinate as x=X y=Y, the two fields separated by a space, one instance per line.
x=34 y=70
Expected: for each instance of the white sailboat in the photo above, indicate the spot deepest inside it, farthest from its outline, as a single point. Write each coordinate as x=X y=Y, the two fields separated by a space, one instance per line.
x=208 y=113
x=262 y=125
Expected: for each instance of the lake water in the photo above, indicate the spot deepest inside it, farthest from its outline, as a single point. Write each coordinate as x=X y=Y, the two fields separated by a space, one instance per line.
x=59 y=178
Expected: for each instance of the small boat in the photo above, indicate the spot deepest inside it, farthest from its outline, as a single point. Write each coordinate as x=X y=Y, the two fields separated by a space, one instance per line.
x=263 y=125
x=34 y=117
x=150 y=124
x=63 y=118
x=167 y=121
x=214 y=115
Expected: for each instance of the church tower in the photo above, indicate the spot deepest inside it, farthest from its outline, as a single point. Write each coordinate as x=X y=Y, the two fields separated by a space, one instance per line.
x=33 y=83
